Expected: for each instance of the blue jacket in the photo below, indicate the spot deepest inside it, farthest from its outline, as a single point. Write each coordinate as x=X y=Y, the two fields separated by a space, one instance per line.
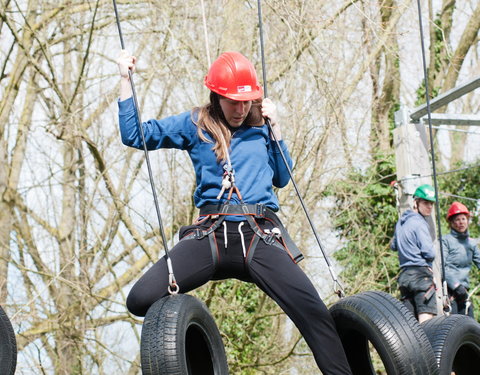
x=459 y=252
x=255 y=158
x=412 y=240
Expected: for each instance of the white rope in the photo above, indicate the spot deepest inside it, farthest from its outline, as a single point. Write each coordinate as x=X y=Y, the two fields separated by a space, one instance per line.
x=229 y=162
x=205 y=33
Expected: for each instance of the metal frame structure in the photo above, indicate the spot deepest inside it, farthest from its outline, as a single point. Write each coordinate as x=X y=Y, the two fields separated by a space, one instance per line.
x=403 y=116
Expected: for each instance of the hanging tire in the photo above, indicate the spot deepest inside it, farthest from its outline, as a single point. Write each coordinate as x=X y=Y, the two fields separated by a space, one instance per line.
x=180 y=337
x=455 y=340
x=8 y=346
x=378 y=319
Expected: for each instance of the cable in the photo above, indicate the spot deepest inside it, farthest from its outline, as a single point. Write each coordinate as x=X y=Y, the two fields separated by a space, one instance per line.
x=340 y=292
x=432 y=150
x=441 y=173
x=455 y=130
x=459 y=197
x=173 y=287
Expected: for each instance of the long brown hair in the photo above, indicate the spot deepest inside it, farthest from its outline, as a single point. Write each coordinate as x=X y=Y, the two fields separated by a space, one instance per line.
x=212 y=120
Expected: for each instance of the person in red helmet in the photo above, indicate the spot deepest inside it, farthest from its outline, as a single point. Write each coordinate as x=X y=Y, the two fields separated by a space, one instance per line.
x=459 y=253
x=237 y=234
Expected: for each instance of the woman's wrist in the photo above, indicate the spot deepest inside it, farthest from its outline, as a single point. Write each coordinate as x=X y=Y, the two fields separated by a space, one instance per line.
x=277 y=132
x=125 y=88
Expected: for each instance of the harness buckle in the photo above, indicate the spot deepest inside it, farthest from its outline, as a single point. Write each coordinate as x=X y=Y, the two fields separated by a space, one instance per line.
x=198 y=233
x=259 y=211
x=270 y=237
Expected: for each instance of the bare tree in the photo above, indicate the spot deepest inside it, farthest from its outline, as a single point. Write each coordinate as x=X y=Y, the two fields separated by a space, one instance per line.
x=77 y=223
x=448 y=54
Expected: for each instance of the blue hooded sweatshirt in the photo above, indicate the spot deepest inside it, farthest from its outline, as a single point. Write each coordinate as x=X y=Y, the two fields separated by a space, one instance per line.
x=255 y=158
x=412 y=240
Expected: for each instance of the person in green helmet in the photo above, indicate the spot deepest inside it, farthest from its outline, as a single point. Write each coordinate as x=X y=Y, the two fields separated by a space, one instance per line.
x=416 y=253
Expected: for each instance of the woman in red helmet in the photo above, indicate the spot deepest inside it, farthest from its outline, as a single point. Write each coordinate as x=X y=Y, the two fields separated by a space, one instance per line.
x=237 y=234
x=459 y=253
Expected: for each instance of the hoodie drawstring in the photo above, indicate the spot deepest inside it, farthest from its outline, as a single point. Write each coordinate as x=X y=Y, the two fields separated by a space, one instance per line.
x=243 y=239
x=225 y=234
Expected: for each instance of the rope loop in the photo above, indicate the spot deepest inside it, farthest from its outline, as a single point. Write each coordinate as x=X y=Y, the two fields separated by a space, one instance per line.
x=173 y=287
x=338 y=289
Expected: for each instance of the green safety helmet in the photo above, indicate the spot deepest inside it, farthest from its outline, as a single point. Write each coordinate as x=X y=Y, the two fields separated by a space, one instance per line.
x=426 y=192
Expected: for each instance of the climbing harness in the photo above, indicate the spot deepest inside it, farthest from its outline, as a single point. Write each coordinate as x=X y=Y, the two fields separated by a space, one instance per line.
x=173 y=287
x=446 y=301
x=337 y=287
x=277 y=236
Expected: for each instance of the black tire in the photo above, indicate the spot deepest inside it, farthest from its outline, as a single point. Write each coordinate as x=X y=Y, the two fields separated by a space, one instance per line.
x=8 y=346
x=455 y=341
x=384 y=322
x=180 y=337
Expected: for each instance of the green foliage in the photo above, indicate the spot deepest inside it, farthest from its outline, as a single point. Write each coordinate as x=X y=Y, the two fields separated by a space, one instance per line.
x=421 y=96
x=439 y=44
x=440 y=59
x=366 y=216
x=248 y=321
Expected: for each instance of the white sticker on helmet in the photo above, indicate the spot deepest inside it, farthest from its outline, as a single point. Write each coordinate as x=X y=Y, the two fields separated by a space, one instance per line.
x=246 y=88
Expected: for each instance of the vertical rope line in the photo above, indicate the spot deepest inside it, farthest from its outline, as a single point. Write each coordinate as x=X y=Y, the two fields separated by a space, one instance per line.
x=340 y=292
x=172 y=281
x=262 y=49
x=432 y=146
x=205 y=32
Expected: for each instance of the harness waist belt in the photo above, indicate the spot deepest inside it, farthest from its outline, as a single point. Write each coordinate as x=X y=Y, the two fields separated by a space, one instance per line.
x=259 y=211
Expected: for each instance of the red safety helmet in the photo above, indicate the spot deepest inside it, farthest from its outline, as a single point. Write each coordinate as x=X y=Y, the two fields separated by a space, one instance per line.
x=457 y=208
x=232 y=75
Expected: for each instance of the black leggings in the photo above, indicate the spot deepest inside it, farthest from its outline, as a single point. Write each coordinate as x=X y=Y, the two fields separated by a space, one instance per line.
x=270 y=268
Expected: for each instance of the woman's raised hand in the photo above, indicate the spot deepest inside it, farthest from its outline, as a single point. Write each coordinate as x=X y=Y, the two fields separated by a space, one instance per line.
x=269 y=110
x=125 y=63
